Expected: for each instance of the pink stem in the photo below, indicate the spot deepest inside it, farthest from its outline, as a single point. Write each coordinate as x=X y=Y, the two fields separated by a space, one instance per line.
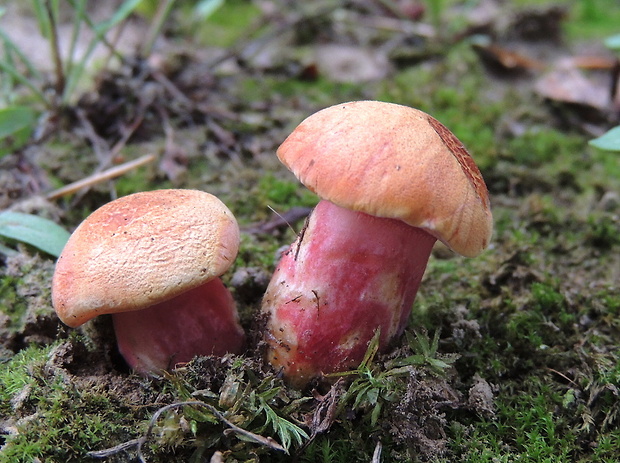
x=346 y=275
x=202 y=321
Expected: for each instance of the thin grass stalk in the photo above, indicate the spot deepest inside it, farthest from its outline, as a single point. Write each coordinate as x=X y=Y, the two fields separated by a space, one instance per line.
x=111 y=46
x=23 y=80
x=42 y=17
x=55 y=50
x=7 y=81
x=79 y=12
x=96 y=29
x=100 y=30
x=77 y=72
x=162 y=13
x=12 y=47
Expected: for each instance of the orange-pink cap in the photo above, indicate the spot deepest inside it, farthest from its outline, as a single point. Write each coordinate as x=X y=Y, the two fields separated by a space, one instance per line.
x=143 y=249
x=393 y=161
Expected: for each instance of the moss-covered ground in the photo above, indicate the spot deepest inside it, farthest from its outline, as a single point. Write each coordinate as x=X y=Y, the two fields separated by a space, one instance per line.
x=511 y=356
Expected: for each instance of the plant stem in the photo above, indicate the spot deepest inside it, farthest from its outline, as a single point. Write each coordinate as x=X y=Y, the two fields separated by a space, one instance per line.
x=55 y=49
x=163 y=11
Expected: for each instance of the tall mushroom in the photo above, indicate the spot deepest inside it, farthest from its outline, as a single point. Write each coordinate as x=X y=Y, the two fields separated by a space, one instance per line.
x=152 y=260
x=392 y=180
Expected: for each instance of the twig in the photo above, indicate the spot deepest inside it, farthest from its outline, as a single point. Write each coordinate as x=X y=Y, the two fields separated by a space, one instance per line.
x=101 y=177
x=114 y=450
x=306 y=212
x=100 y=146
x=559 y=373
x=376 y=456
x=128 y=132
x=139 y=442
x=103 y=152
x=325 y=412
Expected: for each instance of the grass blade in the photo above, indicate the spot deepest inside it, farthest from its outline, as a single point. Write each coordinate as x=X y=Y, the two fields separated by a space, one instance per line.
x=119 y=15
x=80 y=8
x=100 y=30
x=12 y=48
x=41 y=233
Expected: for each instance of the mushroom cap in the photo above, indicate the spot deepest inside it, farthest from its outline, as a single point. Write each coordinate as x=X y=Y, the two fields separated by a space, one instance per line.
x=143 y=249
x=393 y=161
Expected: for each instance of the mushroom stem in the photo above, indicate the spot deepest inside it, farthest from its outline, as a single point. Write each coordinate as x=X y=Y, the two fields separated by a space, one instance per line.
x=347 y=275
x=201 y=321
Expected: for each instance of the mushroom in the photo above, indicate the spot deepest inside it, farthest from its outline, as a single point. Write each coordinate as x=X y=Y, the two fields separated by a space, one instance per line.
x=152 y=260
x=392 y=180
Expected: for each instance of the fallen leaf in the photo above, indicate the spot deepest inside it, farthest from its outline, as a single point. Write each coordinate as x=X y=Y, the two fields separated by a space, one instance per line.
x=570 y=85
x=352 y=64
x=500 y=59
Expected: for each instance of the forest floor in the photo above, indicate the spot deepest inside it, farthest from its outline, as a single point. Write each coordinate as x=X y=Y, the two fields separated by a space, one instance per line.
x=512 y=355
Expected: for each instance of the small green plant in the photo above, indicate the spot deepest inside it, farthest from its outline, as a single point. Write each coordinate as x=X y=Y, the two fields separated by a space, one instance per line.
x=18 y=69
x=18 y=72
x=375 y=386
x=16 y=125
x=287 y=431
x=426 y=353
x=371 y=389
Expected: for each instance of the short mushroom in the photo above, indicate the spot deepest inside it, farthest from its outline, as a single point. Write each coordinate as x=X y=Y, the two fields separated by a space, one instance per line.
x=392 y=180
x=152 y=260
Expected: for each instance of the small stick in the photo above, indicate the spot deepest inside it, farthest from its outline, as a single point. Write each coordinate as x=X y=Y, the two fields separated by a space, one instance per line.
x=376 y=456
x=139 y=442
x=101 y=176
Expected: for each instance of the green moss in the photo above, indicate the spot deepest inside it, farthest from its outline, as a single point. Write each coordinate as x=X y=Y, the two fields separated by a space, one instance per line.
x=328 y=450
x=257 y=251
x=536 y=315
x=546 y=298
x=530 y=426
x=603 y=233
x=593 y=19
x=587 y=19
x=285 y=193
x=320 y=92
x=70 y=425
x=140 y=179
x=58 y=417
x=278 y=191
x=605 y=168
x=227 y=24
x=536 y=148
x=14 y=305
x=15 y=374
